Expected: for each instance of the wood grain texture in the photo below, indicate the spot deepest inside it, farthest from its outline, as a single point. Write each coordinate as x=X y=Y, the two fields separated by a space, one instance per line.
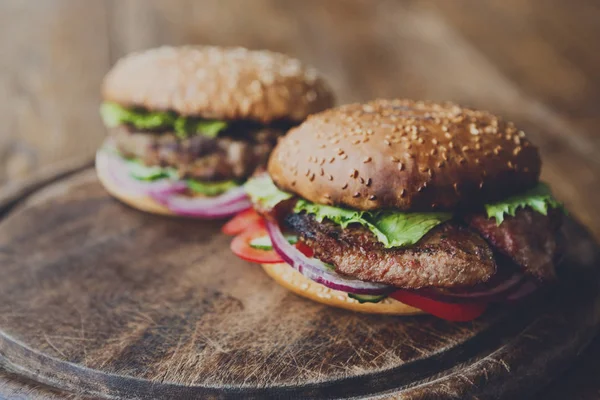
x=100 y=299
x=531 y=60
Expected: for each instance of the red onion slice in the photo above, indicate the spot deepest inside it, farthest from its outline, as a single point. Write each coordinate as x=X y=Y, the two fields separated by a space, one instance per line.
x=168 y=192
x=230 y=203
x=317 y=271
x=119 y=173
x=527 y=288
x=497 y=292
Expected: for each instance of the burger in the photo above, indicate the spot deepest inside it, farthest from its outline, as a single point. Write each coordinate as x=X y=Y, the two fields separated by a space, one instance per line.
x=402 y=207
x=188 y=125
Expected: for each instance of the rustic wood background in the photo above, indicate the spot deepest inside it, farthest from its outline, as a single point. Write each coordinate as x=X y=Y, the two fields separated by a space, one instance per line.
x=534 y=61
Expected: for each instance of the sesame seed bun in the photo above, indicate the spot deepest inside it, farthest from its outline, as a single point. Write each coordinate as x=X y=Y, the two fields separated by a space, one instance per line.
x=142 y=203
x=294 y=281
x=405 y=155
x=219 y=83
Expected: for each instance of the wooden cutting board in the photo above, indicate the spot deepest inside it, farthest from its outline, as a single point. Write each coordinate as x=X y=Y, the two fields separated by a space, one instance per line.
x=99 y=299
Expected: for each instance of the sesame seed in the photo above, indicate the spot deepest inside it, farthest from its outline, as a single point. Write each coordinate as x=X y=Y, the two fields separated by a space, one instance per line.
x=400 y=167
x=372 y=197
x=367 y=160
x=307 y=173
x=344 y=156
x=311 y=177
x=331 y=160
x=356 y=194
x=402 y=192
x=345 y=186
x=434 y=142
x=330 y=177
x=369 y=182
x=448 y=135
x=387 y=142
x=465 y=148
x=455 y=186
x=450 y=145
x=353 y=173
x=394 y=159
x=420 y=140
x=361 y=179
x=327 y=196
x=322 y=172
x=356 y=141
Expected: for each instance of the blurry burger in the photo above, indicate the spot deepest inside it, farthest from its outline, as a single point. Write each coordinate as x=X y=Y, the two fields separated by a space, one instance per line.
x=188 y=125
x=399 y=207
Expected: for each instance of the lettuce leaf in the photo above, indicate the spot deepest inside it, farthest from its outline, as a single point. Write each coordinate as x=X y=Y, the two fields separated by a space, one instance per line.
x=538 y=198
x=392 y=229
x=114 y=114
x=210 y=188
x=184 y=127
x=140 y=171
x=262 y=191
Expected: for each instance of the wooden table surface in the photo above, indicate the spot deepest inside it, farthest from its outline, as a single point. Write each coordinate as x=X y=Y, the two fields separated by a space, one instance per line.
x=533 y=61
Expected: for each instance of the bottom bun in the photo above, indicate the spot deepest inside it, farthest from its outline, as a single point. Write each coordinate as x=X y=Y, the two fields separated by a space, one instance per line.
x=294 y=281
x=143 y=203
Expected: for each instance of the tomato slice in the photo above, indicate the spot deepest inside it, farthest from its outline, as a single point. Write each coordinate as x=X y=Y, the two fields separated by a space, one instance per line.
x=304 y=249
x=448 y=311
x=240 y=245
x=241 y=222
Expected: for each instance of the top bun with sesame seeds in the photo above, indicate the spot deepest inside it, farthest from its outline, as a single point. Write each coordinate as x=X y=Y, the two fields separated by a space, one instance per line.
x=404 y=155
x=218 y=83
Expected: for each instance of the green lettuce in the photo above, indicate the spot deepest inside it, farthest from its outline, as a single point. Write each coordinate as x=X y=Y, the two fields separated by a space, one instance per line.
x=184 y=127
x=262 y=191
x=392 y=229
x=539 y=199
x=210 y=188
x=140 y=171
x=114 y=115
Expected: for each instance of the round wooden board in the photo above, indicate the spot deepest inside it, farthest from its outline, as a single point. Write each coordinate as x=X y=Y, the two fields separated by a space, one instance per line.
x=97 y=298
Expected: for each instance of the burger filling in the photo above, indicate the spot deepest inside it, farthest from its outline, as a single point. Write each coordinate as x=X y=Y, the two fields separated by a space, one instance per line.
x=213 y=155
x=425 y=250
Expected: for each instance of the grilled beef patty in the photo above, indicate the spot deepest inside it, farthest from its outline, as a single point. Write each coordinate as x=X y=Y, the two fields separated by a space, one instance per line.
x=529 y=239
x=448 y=256
x=228 y=156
